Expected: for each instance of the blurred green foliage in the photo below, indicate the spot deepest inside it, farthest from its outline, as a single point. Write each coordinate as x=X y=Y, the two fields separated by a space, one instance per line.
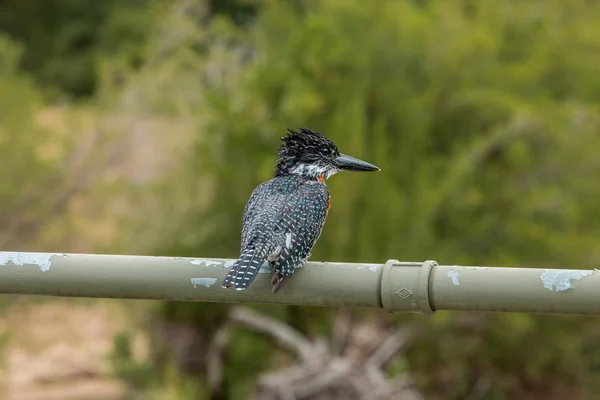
x=483 y=116
x=20 y=137
x=65 y=39
x=138 y=375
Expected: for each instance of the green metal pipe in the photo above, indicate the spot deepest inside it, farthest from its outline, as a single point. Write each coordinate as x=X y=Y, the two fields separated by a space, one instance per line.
x=394 y=286
x=426 y=287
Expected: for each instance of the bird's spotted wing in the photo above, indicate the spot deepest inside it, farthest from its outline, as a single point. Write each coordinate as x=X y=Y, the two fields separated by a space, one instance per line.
x=257 y=203
x=302 y=221
x=261 y=230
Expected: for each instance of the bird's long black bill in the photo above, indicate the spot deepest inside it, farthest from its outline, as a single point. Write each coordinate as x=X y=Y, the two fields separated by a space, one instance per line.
x=348 y=163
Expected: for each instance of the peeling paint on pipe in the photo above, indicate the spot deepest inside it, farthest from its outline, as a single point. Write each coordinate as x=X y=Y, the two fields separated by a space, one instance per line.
x=41 y=260
x=422 y=287
x=206 y=282
x=559 y=280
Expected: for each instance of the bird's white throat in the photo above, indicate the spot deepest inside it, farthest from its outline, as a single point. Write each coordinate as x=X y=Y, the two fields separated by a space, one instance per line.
x=314 y=170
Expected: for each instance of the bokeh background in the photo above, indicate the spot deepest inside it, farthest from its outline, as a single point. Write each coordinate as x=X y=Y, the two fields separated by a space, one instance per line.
x=141 y=127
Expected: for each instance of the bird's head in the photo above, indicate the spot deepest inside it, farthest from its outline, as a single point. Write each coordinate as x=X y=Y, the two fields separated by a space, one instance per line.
x=310 y=154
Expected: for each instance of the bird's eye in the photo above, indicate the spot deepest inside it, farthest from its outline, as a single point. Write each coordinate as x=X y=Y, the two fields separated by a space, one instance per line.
x=325 y=150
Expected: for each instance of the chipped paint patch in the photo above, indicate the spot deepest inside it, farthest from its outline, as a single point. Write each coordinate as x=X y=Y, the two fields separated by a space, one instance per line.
x=210 y=263
x=370 y=267
x=207 y=263
x=206 y=282
x=477 y=268
x=559 y=280
x=452 y=274
x=42 y=260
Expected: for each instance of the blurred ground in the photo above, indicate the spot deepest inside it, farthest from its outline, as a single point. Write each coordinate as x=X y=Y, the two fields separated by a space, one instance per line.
x=58 y=349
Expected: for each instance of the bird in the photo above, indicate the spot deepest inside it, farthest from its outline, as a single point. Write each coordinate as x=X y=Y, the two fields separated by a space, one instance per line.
x=284 y=216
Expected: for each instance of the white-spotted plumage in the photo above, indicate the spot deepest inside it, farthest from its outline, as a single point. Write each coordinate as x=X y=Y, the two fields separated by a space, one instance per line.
x=275 y=209
x=284 y=216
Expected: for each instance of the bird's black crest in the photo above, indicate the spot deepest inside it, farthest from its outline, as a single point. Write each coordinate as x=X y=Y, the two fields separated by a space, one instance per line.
x=304 y=146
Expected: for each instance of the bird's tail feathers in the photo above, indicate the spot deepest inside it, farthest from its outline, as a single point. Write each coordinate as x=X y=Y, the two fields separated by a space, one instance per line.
x=244 y=270
x=280 y=277
x=279 y=281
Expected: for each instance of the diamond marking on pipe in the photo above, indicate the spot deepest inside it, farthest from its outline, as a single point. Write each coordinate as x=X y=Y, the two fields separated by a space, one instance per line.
x=404 y=293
